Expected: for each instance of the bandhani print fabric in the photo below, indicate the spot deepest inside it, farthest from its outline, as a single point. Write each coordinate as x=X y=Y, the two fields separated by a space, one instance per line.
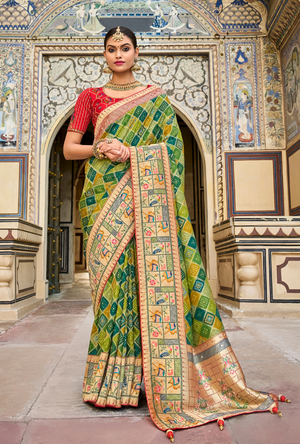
x=153 y=306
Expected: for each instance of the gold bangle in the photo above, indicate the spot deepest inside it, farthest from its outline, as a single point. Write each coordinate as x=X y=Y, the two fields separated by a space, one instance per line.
x=96 y=153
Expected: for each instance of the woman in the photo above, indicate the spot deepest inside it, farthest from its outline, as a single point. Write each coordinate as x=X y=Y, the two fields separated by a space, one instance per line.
x=152 y=302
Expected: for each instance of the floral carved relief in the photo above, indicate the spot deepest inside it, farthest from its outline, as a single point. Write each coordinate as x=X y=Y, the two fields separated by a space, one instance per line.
x=183 y=78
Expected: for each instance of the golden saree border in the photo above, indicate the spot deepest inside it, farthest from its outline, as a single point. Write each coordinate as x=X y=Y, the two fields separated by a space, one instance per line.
x=117 y=110
x=156 y=368
x=185 y=386
x=113 y=229
x=108 y=373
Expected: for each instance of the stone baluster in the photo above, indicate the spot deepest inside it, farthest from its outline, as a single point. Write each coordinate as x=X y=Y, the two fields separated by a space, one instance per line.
x=248 y=274
x=6 y=275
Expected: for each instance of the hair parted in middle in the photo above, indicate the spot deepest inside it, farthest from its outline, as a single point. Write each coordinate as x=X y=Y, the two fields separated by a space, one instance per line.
x=125 y=31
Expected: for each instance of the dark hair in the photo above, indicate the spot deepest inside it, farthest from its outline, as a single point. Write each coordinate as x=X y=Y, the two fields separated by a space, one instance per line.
x=125 y=31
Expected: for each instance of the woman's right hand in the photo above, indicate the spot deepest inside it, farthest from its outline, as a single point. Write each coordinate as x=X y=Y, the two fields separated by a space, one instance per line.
x=115 y=150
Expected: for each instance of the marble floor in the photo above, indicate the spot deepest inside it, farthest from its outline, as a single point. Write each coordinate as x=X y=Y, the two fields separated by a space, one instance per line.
x=42 y=360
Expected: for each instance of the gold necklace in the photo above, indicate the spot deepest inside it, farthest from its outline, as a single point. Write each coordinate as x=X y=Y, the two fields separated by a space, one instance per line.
x=123 y=86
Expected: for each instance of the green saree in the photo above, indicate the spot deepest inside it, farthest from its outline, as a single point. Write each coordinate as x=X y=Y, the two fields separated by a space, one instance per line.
x=153 y=306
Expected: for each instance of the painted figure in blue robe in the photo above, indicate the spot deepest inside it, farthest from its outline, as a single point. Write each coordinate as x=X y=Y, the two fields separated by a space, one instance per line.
x=160 y=21
x=244 y=119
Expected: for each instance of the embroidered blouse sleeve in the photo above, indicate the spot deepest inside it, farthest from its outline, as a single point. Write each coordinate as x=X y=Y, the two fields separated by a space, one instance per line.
x=82 y=114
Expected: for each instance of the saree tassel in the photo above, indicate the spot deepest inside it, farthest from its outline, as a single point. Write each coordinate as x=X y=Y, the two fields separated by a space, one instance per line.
x=170 y=435
x=221 y=424
x=275 y=410
x=283 y=399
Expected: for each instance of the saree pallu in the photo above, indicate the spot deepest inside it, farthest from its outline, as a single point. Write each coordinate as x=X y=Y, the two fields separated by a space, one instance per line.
x=152 y=302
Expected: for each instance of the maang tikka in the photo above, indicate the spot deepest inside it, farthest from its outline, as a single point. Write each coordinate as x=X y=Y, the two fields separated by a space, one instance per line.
x=118 y=35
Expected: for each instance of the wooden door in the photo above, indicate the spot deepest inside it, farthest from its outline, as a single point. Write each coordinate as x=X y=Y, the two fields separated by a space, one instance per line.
x=194 y=186
x=53 y=250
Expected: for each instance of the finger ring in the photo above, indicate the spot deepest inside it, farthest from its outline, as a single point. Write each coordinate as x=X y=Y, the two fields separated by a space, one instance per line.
x=108 y=140
x=119 y=159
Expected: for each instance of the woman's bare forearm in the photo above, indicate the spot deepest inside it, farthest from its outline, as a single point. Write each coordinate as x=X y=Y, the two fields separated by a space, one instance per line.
x=75 y=151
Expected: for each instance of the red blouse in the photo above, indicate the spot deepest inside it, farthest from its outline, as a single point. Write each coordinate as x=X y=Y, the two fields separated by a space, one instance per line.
x=90 y=103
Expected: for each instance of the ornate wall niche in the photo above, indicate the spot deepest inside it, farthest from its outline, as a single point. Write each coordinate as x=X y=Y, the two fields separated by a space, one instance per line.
x=65 y=77
x=185 y=78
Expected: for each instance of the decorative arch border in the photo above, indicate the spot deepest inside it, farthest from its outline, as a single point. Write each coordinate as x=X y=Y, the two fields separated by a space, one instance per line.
x=206 y=12
x=192 y=6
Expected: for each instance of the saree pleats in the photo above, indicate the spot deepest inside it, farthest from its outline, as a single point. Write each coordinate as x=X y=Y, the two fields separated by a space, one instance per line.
x=113 y=370
x=148 y=283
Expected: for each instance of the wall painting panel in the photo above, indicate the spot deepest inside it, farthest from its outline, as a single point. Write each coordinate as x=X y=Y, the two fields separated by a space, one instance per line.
x=275 y=132
x=144 y=18
x=242 y=96
x=11 y=94
x=290 y=59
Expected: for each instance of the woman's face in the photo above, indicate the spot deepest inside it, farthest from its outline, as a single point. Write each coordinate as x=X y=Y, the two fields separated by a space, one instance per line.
x=120 y=55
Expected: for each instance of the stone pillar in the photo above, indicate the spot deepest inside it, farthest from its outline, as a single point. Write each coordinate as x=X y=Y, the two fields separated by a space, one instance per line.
x=6 y=276
x=248 y=273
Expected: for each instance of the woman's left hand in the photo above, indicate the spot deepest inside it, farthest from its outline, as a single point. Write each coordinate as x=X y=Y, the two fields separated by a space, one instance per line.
x=115 y=150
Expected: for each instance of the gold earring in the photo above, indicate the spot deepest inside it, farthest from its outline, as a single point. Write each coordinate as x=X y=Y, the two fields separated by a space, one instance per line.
x=135 y=67
x=107 y=70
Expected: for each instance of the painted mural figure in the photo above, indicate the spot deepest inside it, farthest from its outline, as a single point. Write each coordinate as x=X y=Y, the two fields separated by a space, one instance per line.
x=293 y=83
x=93 y=18
x=244 y=122
x=160 y=21
x=136 y=138
x=87 y=21
x=80 y=13
x=93 y=23
x=8 y=120
x=243 y=105
x=175 y=23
